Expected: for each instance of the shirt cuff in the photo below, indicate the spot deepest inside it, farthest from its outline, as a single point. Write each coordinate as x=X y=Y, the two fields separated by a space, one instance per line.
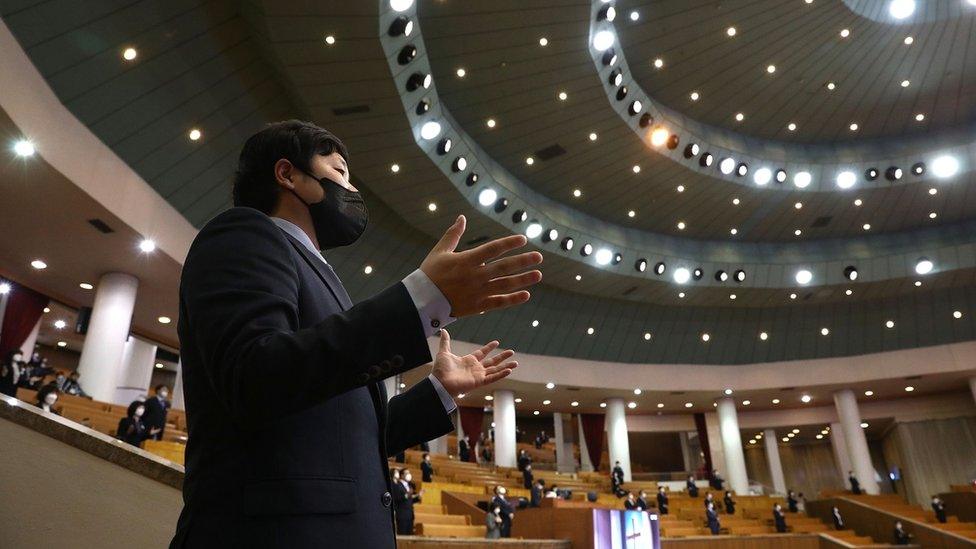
x=446 y=399
x=432 y=306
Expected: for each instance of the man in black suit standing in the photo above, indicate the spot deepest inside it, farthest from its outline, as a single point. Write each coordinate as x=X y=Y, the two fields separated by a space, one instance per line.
x=523 y=460
x=617 y=480
x=507 y=511
x=426 y=469
x=855 y=485
x=289 y=425
x=464 y=450
x=662 y=501
x=538 y=489
x=403 y=500
x=527 y=477
x=939 y=507
x=156 y=408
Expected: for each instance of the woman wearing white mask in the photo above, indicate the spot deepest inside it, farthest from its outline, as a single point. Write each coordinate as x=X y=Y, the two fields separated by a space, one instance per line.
x=46 y=397
x=131 y=428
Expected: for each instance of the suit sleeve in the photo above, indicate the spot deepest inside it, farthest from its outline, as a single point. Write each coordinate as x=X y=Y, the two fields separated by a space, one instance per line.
x=239 y=297
x=414 y=416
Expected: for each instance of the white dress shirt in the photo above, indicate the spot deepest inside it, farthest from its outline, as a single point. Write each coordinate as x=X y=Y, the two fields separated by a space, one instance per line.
x=432 y=307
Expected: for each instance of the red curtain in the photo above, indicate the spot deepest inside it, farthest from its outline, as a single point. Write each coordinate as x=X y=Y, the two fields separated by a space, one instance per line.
x=593 y=433
x=703 y=441
x=24 y=309
x=472 y=418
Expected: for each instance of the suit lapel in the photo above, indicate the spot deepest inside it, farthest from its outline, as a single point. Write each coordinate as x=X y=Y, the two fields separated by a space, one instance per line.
x=325 y=272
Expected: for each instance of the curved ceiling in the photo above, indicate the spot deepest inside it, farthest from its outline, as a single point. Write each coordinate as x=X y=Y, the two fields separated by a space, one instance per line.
x=227 y=67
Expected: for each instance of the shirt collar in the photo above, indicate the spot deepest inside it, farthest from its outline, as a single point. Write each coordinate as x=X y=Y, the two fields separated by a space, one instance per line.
x=298 y=234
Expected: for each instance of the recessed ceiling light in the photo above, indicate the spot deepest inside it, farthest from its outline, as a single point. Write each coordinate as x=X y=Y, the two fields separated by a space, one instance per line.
x=577 y=193
x=660 y=405
x=636 y=168
x=430 y=130
x=901 y=9
x=732 y=297
x=763 y=336
x=579 y=277
x=658 y=63
x=550 y=385
x=945 y=166
x=771 y=69
x=825 y=331
x=730 y=31
x=831 y=85
x=803 y=276
x=602 y=40
x=957 y=314
x=529 y=160
x=791 y=126
x=543 y=41
x=806 y=398
x=195 y=134
x=330 y=40
x=846 y=179
x=706 y=337
x=395 y=168
x=518 y=400
x=792 y=296
x=739 y=117
x=38 y=264
x=868 y=393
x=634 y=16
x=688 y=405
x=858 y=202
x=546 y=402
x=802 y=179
x=681 y=295
x=590 y=331
x=631 y=213
x=432 y=207
x=164 y=320
x=853 y=127
x=60 y=324
x=659 y=137
x=890 y=324
x=647 y=336
x=562 y=96
x=919 y=117
x=933 y=215
x=593 y=136
x=631 y=405
x=86 y=286
x=733 y=231
x=905 y=83
x=129 y=54
x=866 y=226
x=680 y=188
x=848 y=292
x=918 y=283
x=24 y=148
x=461 y=73
x=603 y=405
x=844 y=33
x=490 y=122
x=368 y=269
x=775 y=401
x=681 y=225
x=909 y=40
x=924 y=266
x=574 y=403
x=909 y=389
x=535 y=412
x=694 y=96
x=62 y=344
x=798 y=205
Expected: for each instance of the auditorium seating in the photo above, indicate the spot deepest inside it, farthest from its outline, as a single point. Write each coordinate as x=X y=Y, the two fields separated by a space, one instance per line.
x=895 y=505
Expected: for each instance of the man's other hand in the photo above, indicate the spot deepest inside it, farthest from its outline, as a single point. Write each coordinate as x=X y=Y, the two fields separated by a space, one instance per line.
x=478 y=280
x=460 y=374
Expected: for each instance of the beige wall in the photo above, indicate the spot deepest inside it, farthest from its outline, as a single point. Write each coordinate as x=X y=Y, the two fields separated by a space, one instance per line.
x=54 y=496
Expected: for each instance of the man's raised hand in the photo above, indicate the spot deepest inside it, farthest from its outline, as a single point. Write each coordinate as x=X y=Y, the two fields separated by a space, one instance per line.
x=481 y=279
x=460 y=374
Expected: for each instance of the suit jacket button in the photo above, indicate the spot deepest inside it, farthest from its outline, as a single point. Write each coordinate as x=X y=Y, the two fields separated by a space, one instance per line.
x=387 y=499
x=363 y=378
x=374 y=371
x=385 y=366
x=397 y=361
x=435 y=323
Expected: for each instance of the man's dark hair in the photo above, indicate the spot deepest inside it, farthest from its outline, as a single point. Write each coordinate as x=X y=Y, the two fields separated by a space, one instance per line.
x=161 y=386
x=131 y=410
x=293 y=140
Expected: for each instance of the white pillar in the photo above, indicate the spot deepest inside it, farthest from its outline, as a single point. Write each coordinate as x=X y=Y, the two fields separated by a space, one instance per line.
x=28 y=347
x=685 y=452
x=857 y=443
x=504 y=412
x=138 y=359
x=617 y=441
x=4 y=298
x=972 y=386
x=565 y=461
x=775 y=464
x=841 y=454
x=438 y=445
x=735 y=459
x=585 y=463
x=715 y=447
x=178 y=402
x=101 y=355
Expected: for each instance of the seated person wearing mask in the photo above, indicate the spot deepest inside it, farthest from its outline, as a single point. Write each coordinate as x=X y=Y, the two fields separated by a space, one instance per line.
x=131 y=428
x=46 y=397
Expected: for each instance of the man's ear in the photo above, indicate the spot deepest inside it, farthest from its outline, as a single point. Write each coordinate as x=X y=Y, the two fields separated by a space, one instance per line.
x=283 y=171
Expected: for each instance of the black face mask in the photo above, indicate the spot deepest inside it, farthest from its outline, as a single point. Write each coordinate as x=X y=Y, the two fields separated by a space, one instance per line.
x=340 y=218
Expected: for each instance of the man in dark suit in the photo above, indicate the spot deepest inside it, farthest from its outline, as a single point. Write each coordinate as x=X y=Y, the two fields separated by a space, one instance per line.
x=403 y=500
x=631 y=502
x=692 y=487
x=507 y=511
x=855 y=485
x=464 y=450
x=527 y=477
x=712 y=516
x=426 y=469
x=939 y=507
x=662 y=501
x=523 y=460
x=538 y=490
x=289 y=425
x=156 y=408
x=617 y=480
x=716 y=482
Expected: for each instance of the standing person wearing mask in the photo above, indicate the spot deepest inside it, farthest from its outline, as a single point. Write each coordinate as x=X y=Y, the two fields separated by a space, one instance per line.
x=712 y=516
x=403 y=499
x=132 y=429
x=426 y=469
x=464 y=451
x=662 y=501
x=506 y=511
x=289 y=424
x=156 y=408
x=527 y=477
x=729 y=503
x=939 y=507
x=838 y=520
x=10 y=370
x=46 y=397
x=493 y=524
x=779 y=518
x=642 y=501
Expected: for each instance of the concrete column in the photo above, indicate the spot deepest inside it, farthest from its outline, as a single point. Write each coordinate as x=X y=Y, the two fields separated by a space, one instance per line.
x=28 y=347
x=4 y=298
x=178 y=402
x=565 y=461
x=617 y=440
x=108 y=329
x=504 y=412
x=775 y=464
x=438 y=445
x=685 y=452
x=138 y=360
x=735 y=459
x=972 y=386
x=585 y=463
x=841 y=455
x=857 y=443
x=715 y=447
